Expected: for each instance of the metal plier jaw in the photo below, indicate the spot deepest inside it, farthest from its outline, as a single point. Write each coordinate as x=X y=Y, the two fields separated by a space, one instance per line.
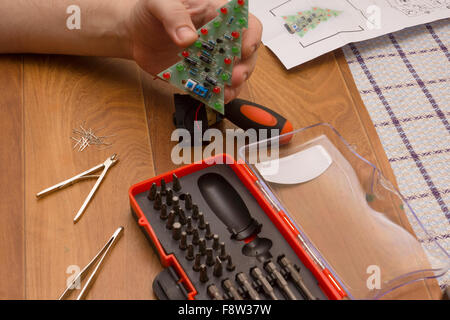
x=84 y=175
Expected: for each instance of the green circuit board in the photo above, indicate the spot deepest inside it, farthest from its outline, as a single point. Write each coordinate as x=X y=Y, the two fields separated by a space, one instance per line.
x=207 y=65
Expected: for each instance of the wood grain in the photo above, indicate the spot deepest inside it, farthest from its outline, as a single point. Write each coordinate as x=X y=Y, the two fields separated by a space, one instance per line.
x=11 y=179
x=60 y=94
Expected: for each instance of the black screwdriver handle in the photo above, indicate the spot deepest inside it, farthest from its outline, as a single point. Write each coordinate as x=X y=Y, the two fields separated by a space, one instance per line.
x=250 y=115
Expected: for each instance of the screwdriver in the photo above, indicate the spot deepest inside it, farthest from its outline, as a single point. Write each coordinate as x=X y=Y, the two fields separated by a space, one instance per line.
x=249 y=115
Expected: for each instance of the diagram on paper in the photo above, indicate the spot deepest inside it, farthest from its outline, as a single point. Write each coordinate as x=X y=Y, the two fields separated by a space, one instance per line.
x=414 y=8
x=300 y=30
x=305 y=21
x=311 y=23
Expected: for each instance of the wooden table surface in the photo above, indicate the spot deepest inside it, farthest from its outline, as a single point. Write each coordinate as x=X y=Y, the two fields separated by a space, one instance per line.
x=45 y=97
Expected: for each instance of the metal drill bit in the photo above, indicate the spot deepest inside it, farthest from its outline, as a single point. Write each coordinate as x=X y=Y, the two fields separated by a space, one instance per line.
x=209 y=257
x=176 y=231
x=197 y=262
x=163 y=214
x=190 y=252
x=228 y=286
x=230 y=265
x=158 y=201
x=188 y=201
x=189 y=227
x=183 y=241
x=267 y=288
x=216 y=244
x=208 y=234
x=163 y=187
x=223 y=254
x=170 y=219
x=214 y=292
x=182 y=217
x=152 y=192
x=169 y=196
x=175 y=183
x=201 y=221
x=202 y=246
x=218 y=269
x=242 y=279
x=296 y=277
x=272 y=269
x=175 y=201
x=195 y=237
x=203 y=274
x=195 y=212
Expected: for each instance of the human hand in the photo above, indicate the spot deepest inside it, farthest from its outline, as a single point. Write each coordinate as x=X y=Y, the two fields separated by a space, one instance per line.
x=158 y=29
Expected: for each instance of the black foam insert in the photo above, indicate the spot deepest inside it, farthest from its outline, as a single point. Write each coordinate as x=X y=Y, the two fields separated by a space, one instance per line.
x=243 y=263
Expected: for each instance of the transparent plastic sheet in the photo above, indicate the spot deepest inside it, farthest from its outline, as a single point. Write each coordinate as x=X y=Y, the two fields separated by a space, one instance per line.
x=350 y=217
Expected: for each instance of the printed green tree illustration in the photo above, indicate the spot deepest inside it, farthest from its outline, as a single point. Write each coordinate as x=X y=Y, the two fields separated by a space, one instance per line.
x=305 y=21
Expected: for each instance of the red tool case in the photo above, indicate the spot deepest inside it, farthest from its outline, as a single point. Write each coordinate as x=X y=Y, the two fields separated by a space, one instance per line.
x=325 y=280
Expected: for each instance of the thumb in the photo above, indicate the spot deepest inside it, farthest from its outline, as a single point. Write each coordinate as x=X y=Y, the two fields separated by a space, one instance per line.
x=176 y=20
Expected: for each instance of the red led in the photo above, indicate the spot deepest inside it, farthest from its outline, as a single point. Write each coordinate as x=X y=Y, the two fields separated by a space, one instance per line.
x=227 y=60
x=224 y=10
x=235 y=34
x=204 y=31
x=216 y=90
x=241 y=2
x=166 y=75
x=185 y=54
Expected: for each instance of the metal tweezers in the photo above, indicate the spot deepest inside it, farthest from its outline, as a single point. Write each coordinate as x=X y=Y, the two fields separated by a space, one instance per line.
x=85 y=175
x=101 y=255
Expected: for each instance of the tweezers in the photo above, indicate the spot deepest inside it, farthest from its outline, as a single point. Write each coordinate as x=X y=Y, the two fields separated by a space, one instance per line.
x=100 y=257
x=84 y=175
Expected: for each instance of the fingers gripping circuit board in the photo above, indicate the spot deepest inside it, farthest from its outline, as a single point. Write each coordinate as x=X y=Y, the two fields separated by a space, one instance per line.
x=207 y=65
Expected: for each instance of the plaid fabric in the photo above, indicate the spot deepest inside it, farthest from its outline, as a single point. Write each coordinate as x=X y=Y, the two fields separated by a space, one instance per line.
x=403 y=79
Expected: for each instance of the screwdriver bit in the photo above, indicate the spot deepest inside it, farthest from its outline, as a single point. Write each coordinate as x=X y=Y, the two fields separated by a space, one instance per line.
x=231 y=289
x=296 y=277
x=195 y=212
x=175 y=201
x=188 y=202
x=272 y=269
x=201 y=221
x=203 y=274
x=190 y=252
x=189 y=227
x=152 y=192
x=218 y=269
x=202 y=246
x=216 y=244
x=183 y=241
x=223 y=254
x=176 y=231
x=175 y=183
x=197 y=262
x=242 y=279
x=230 y=265
x=195 y=237
x=209 y=257
x=267 y=288
x=163 y=214
x=208 y=234
x=163 y=187
x=169 y=197
x=182 y=217
x=170 y=219
x=158 y=201
x=214 y=292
